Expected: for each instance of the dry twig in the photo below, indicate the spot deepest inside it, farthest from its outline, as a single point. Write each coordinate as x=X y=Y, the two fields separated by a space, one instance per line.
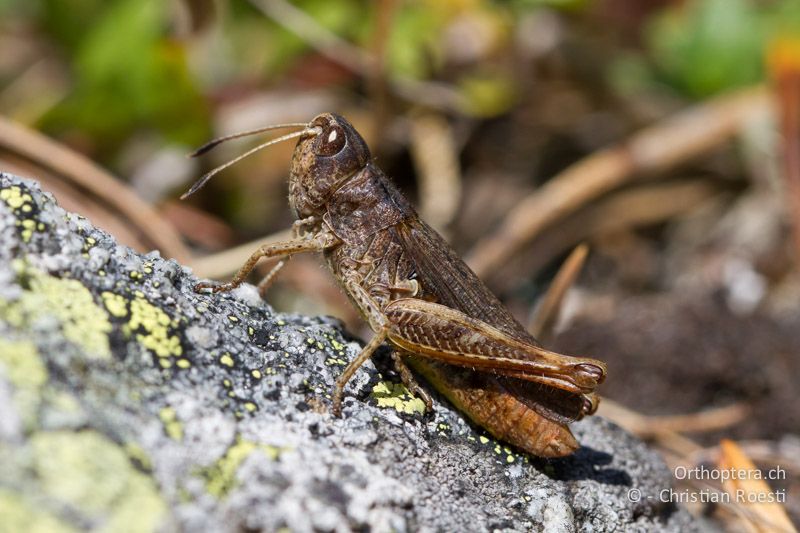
x=101 y=215
x=651 y=426
x=663 y=145
x=546 y=316
x=638 y=207
x=435 y=155
x=77 y=172
x=640 y=425
x=378 y=84
x=225 y=263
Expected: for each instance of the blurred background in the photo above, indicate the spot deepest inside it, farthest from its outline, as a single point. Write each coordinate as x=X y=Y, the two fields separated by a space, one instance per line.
x=665 y=134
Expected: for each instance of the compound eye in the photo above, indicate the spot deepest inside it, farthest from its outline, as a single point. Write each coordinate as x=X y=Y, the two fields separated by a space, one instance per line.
x=332 y=141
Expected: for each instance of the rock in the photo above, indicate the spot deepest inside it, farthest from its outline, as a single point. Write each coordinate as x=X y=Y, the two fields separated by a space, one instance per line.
x=130 y=403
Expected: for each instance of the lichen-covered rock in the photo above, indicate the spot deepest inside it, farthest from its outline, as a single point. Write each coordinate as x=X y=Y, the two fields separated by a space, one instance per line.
x=130 y=403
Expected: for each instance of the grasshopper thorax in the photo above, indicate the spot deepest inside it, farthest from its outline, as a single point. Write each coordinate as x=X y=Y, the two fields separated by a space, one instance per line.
x=323 y=160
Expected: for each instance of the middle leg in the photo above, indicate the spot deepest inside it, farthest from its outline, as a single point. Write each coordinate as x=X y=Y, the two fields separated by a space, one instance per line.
x=265 y=283
x=317 y=242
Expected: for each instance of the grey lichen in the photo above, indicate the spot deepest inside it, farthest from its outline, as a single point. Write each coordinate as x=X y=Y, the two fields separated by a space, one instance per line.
x=130 y=403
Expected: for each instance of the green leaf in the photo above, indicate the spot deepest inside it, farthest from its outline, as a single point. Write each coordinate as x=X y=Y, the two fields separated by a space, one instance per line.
x=128 y=74
x=707 y=46
x=488 y=95
x=569 y=5
x=411 y=50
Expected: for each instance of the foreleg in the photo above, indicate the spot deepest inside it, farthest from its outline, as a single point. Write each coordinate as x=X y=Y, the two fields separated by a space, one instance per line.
x=316 y=242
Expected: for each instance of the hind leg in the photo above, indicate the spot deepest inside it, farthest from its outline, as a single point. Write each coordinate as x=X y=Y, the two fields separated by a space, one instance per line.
x=410 y=382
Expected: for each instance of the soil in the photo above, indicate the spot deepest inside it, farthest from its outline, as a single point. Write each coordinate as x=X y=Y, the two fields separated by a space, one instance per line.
x=674 y=354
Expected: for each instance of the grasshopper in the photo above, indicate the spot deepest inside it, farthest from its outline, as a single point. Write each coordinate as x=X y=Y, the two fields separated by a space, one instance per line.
x=420 y=297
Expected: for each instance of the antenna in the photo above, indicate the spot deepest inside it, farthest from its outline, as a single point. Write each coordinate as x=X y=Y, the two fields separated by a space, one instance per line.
x=208 y=146
x=215 y=142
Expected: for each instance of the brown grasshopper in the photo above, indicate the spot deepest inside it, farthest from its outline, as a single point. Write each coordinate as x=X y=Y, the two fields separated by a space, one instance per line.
x=417 y=294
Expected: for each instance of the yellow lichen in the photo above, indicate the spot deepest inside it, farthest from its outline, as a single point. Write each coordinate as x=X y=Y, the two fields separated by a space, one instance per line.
x=137 y=454
x=172 y=425
x=25 y=370
x=337 y=345
x=63 y=402
x=88 y=471
x=397 y=396
x=115 y=304
x=14 y=197
x=153 y=328
x=82 y=321
x=221 y=477
x=28 y=227
x=226 y=360
x=22 y=364
x=20 y=514
x=21 y=201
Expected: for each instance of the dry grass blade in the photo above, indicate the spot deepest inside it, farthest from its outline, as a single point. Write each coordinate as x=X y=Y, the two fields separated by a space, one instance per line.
x=666 y=431
x=73 y=200
x=708 y=420
x=225 y=263
x=638 y=207
x=676 y=139
x=197 y=226
x=378 y=87
x=548 y=311
x=79 y=173
x=638 y=424
x=435 y=155
x=37 y=78
x=749 y=490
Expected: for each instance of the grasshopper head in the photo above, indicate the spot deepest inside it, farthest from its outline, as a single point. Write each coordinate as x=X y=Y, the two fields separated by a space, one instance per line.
x=331 y=152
